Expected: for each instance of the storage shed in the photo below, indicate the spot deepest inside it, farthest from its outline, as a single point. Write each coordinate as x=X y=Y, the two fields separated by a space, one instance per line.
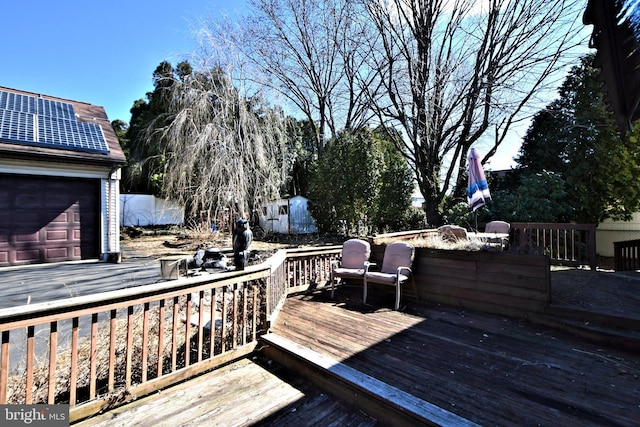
x=288 y=216
x=60 y=166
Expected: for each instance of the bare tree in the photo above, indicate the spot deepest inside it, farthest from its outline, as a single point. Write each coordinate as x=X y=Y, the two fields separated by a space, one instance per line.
x=311 y=53
x=444 y=74
x=462 y=71
x=221 y=150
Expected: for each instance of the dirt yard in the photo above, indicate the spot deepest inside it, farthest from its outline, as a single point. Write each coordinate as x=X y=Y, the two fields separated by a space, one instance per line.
x=161 y=242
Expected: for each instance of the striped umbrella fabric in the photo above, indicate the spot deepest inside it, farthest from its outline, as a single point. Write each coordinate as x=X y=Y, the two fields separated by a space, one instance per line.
x=477 y=191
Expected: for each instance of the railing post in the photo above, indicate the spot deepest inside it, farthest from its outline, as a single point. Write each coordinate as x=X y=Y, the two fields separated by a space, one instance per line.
x=4 y=367
x=593 y=257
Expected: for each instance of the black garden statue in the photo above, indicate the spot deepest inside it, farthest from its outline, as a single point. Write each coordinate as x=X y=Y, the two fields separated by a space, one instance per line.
x=242 y=237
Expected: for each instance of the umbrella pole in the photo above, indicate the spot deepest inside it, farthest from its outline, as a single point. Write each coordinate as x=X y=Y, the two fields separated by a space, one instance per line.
x=475 y=216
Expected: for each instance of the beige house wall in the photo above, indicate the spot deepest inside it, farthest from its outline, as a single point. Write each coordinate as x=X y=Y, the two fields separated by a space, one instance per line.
x=616 y=231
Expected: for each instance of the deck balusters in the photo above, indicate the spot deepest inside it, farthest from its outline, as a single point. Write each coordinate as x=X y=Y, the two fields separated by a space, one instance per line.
x=93 y=360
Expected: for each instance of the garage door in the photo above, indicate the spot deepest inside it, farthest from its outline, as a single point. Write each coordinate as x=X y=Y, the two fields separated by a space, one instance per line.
x=48 y=219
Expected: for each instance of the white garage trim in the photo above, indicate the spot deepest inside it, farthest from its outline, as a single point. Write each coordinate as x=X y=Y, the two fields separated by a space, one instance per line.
x=11 y=166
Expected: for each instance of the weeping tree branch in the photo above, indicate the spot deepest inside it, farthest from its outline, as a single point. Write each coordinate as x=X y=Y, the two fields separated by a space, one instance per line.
x=220 y=150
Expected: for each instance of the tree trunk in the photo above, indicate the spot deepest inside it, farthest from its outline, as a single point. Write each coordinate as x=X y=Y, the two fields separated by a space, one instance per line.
x=430 y=189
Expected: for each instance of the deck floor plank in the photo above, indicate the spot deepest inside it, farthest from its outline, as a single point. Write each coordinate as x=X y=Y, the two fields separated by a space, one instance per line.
x=246 y=392
x=488 y=369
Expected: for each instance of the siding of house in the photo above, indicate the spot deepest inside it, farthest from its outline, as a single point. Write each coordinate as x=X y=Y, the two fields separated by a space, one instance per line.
x=109 y=209
x=616 y=231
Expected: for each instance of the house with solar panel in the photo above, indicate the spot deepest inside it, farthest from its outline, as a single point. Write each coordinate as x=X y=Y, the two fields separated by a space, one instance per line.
x=60 y=166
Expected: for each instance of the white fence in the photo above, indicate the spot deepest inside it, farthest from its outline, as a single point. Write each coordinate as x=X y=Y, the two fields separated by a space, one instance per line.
x=145 y=209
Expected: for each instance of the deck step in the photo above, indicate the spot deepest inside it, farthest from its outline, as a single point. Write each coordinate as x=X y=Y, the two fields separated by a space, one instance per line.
x=593 y=317
x=622 y=333
x=388 y=404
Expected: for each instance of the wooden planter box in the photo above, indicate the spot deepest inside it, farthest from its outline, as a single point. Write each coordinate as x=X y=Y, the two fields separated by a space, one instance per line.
x=493 y=282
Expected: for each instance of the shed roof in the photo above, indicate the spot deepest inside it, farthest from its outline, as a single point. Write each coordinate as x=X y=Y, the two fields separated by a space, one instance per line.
x=110 y=153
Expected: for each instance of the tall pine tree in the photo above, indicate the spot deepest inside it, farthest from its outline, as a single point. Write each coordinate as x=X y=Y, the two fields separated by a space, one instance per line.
x=575 y=137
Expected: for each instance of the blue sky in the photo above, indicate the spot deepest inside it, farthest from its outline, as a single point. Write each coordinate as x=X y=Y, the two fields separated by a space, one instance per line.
x=103 y=53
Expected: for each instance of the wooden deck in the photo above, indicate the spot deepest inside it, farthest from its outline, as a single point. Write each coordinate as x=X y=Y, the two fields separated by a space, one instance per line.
x=486 y=369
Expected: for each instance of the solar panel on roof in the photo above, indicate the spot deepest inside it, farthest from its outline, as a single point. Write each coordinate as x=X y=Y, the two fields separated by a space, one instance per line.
x=69 y=134
x=16 y=126
x=62 y=110
x=43 y=122
x=16 y=102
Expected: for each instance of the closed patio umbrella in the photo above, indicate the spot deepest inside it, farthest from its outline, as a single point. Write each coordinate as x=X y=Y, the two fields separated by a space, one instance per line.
x=477 y=191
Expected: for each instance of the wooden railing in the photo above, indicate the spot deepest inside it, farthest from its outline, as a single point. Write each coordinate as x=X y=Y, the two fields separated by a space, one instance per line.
x=626 y=255
x=100 y=351
x=309 y=267
x=566 y=244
